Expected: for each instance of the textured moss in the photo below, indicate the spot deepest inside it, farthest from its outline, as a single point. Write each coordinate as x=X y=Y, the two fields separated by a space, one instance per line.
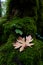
x=10 y=56
x=30 y=56
x=27 y=25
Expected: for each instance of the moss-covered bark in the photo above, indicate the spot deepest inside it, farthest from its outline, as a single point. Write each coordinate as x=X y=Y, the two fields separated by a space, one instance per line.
x=10 y=56
x=30 y=56
x=24 y=8
x=40 y=17
x=28 y=8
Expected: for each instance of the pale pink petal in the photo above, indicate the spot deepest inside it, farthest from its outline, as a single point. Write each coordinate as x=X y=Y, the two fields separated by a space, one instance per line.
x=23 y=39
x=24 y=44
x=31 y=44
x=28 y=41
x=21 y=49
x=29 y=37
x=31 y=40
x=20 y=41
x=16 y=47
x=15 y=44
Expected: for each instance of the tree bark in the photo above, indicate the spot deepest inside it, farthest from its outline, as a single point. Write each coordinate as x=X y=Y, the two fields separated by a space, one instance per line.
x=40 y=17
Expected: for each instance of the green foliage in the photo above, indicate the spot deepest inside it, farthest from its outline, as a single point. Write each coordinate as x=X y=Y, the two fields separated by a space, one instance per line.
x=26 y=25
x=11 y=28
x=2 y=20
x=10 y=56
x=30 y=56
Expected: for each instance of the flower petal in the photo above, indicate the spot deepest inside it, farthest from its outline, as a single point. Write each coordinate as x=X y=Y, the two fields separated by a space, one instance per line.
x=28 y=37
x=31 y=44
x=17 y=45
x=21 y=49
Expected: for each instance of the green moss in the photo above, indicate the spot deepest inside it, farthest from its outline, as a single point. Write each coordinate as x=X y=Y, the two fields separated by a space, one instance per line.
x=10 y=56
x=27 y=25
x=29 y=56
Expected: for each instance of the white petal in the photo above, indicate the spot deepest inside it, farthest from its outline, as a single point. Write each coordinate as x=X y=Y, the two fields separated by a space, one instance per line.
x=29 y=37
x=16 y=47
x=23 y=39
x=21 y=49
x=20 y=41
x=30 y=44
x=31 y=40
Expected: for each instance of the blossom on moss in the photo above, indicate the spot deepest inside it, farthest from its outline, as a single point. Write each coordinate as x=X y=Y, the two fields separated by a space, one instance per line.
x=21 y=43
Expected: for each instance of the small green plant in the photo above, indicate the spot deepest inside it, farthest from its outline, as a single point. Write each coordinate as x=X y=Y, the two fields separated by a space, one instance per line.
x=18 y=31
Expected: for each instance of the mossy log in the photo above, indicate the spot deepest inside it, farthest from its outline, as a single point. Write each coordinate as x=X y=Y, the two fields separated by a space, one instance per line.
x=10 y=56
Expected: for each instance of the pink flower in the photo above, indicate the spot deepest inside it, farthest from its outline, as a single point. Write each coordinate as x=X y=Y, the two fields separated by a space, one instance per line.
x=22 y=44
